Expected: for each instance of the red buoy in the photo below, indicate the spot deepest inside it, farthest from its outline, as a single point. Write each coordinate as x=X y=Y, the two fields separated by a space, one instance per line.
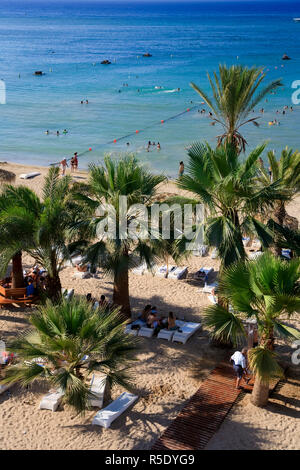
x=90 y=149
x=136 y=132
x=115 y=141
x=162 y=121
x=188 y=109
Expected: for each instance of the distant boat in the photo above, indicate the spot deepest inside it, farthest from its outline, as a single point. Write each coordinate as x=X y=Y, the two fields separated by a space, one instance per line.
x=297 y=20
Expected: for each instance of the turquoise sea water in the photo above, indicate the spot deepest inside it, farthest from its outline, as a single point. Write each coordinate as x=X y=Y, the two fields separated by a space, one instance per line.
x=68 y=42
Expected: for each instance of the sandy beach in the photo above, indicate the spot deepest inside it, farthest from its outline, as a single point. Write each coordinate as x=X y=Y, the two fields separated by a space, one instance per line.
x=166 y=373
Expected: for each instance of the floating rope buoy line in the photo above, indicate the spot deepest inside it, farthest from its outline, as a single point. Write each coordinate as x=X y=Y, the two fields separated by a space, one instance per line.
x=137 y=131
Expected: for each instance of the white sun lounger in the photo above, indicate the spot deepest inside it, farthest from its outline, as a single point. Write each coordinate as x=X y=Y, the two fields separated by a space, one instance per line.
x=98 y=385
x=201 y=250
x=208 y=288
x=81 y=274
x=134 y=332
x=187 y=330
x=106 y=416
x=203 y=272
x=212 y=299
x=26 y=176
x=3 y=388
x=51 y=401
x=168 y=334
x=162 y=270
x=67 y=293
x=2 y=350
x=139 y=270
x=146 y=332
x=255 y=255
x=178 y=273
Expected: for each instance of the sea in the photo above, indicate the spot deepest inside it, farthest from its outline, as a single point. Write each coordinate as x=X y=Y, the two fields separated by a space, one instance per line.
x=136 y=99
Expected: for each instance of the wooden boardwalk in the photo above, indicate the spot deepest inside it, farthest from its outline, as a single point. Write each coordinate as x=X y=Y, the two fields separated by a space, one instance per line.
x=203 y=414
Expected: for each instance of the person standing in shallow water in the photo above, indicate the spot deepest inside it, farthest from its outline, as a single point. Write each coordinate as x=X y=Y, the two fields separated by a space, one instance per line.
x=181 y=169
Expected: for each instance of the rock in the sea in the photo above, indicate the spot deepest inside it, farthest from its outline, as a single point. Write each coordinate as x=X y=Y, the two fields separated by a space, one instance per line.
x=147 y=55
x=285 y=57
x=39 y=72
x=106 y=62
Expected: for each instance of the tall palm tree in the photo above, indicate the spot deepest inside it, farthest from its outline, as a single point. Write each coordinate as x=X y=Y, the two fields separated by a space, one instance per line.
x=266 y=289
x=286 y=171
x=230 y=193
x=7 y=177
x=117 y=254
x=72 y=340
x=39 y=227
x=234 y=98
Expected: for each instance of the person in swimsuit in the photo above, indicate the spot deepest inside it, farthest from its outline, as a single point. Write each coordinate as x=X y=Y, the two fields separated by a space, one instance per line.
x=181 y=169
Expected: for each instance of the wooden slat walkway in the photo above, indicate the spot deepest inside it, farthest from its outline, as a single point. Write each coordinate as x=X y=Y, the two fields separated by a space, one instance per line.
x=202 y=416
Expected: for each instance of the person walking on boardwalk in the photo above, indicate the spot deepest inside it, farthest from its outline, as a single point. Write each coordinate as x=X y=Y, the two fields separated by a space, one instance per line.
x=239 y=362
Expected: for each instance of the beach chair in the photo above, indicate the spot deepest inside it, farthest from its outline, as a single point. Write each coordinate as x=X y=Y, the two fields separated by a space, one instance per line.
x=52 y=400
x=178 y=273
x=2 y=350
x=146 y=332
x=26 y=176
x=255 y=255
x=212 y=299
x=186 y=331
x=162 y=270
x=3 y=388
x=203 y=273
x=81 y=274
x=286 y=253
x=97 y=387
x=214 y=254
x=130 y=331
x=106 y=416
x=67 y=294
x=139 y=270
x=208 y=288
x=168 y=334
x=201 y=250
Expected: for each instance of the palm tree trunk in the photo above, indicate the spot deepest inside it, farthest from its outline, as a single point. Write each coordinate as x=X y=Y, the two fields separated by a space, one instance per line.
x=17 y=271
x=279 y=216
x=121 y=292
x=260 y=393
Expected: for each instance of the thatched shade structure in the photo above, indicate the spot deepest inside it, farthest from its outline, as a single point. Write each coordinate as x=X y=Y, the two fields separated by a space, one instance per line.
x=7 y=176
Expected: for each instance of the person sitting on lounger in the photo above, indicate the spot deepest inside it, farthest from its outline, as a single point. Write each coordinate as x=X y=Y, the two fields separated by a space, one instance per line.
x=172 y=321
x=145 y=313
x=82 y=268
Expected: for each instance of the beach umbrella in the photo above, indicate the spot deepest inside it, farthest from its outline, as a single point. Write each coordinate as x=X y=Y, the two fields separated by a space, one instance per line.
x=7 y=176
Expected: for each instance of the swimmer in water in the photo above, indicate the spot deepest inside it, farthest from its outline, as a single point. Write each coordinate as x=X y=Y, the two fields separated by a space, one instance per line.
x=47 y=132
x=57 y=132
x=158 y=146
x=75 y=161
x=65 y=131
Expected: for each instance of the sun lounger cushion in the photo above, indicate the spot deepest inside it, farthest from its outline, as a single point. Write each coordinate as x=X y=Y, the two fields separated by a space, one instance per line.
x=51 y=401
x=208 y=288
x=146 y=332
x=162 y=270
x=139 y=270
x=98 y=385
x=212 y=299
x=132 y=331
x=81 y=274
x=178 y=273
x=164 y=333
x=26 y=176
x=106 y=416
x=255 y=255
x=203 y=273
x=201 y=250
x=186 y=331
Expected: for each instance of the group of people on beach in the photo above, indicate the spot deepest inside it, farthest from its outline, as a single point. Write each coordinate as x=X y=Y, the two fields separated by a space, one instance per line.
x=152 y=319
x=73 y=162
x=102 y=303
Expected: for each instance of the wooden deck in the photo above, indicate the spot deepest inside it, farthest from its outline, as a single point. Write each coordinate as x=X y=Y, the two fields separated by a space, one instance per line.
x=202 y=416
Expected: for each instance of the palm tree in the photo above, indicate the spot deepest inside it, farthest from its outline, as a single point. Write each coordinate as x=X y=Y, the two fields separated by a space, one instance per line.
x=72 y=340
x=118 y=253
x=286 y=171
x=7 y=177
x=286 y=237
x=266 y=289
x=39 y=227
x=230 y=193
x=234 y=98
